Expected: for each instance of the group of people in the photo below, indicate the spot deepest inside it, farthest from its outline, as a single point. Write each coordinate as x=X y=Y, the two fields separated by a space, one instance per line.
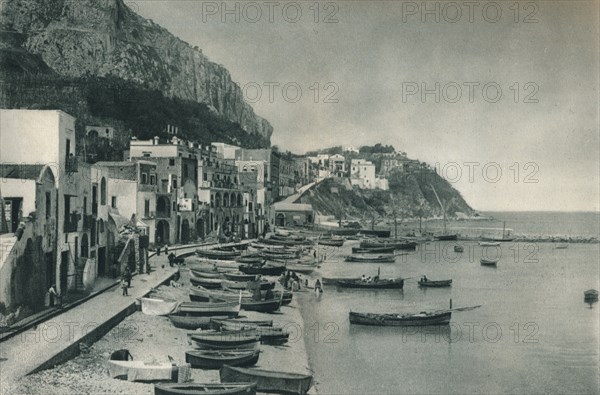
x=291 y=280
x=369 y=279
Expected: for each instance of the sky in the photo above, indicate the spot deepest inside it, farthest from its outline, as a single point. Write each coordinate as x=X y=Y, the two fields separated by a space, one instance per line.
x=502 y=97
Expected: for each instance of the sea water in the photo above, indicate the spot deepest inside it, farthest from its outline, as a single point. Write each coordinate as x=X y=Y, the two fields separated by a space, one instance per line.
x=532 y=334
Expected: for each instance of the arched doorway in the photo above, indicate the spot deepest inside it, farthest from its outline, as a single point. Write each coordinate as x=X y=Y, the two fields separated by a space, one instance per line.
x=185 y=231
x=200 y=228
x=280 y=220
x=162 y=232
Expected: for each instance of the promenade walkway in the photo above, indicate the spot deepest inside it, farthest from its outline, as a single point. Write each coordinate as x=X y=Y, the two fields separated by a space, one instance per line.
x=58 y=339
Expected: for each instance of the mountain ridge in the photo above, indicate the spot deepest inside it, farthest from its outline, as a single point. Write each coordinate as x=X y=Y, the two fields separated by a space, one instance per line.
x=105 y=38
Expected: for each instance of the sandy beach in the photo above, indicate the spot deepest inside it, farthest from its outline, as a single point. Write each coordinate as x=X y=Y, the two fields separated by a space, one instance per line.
x=154 y=339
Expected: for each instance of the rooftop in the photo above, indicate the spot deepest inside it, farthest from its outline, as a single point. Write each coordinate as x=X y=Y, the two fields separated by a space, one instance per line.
x=24 y=172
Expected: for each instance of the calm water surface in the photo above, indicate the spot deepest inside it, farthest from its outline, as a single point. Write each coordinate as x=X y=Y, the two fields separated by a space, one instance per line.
x=533 y=333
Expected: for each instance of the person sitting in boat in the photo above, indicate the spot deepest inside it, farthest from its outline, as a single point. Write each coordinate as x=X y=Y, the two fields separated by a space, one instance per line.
x=369 y=279
x=363 y=278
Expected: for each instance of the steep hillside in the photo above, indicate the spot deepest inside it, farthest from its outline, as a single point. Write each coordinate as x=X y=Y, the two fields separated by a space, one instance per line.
x=409 y=196
x=83 y=39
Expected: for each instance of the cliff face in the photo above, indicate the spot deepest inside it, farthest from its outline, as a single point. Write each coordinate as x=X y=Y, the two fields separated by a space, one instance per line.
x=79 y=38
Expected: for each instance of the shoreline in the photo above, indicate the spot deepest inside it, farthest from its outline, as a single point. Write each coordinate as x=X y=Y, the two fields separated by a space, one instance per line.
x=155 y=339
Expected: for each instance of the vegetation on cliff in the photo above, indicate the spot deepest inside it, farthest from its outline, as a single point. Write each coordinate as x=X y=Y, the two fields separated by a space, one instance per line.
x=410 y=195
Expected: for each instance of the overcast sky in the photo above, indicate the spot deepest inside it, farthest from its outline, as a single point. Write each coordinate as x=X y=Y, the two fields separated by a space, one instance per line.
x=371 y=66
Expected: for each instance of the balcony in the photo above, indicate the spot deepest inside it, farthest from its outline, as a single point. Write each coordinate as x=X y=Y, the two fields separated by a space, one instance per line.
x=72 y=165
x=71 y=221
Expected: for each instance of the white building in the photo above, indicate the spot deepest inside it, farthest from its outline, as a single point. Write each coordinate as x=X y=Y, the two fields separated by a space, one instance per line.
x=362 y=174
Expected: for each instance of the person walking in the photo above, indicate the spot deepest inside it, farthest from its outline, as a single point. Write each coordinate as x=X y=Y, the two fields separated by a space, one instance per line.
x=124 y=286
x=318 y=288
x=127 y=276
x=54 y=297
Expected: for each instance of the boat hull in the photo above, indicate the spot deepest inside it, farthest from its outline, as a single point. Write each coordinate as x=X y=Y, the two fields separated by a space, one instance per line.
x=265 y=271
x=205 y=389
x=392 y=320
x=371 y=258
x=382 y=284
x=267 y=306
x=216 y=360
x=486 y=262
x=193 y=322
x=266 y=381
x=435 y=284
x=446 y=237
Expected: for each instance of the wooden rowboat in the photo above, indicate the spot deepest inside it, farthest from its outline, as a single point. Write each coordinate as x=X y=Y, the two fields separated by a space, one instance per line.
x=267 y=380
x=488 y=262
x=419 y=319
x=224 y=341
x=331 y=242
x=228 y=308
x=205 y=389
x=266 y=270
x=218 y=254
x=334 y=280
x=198 y=274
x=374 y=250
x=392 y=283
x=263 y=306
x=434 y=284
x=396 y=245
x=193 y=322
x=217 y=322
x=215 y=359
x=386 y=258
x=299 y=268
x=210 y=283
x=239 y=276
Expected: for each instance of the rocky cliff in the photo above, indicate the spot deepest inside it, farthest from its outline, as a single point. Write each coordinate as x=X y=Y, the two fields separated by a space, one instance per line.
x=104 y=38
x=410 y=195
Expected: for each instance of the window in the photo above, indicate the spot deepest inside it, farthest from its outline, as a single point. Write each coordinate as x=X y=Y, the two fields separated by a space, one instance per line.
x=146 y=208
x=103 y=191
x=146 y=154
x=174 y=182
x=84 y=205
x=152 y=179
x=205 y=177
x=113 y=201
x=144 y=178
x=174 y=206
x=185 y=171
x=171 y=162
x=48 y=205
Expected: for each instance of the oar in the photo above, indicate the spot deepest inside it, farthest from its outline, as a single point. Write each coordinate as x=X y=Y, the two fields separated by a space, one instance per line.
x=468 y=308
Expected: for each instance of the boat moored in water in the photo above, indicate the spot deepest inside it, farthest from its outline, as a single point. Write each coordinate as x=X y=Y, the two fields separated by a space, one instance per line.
x=435 y=284
x=418 y=319
x=267 y=380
